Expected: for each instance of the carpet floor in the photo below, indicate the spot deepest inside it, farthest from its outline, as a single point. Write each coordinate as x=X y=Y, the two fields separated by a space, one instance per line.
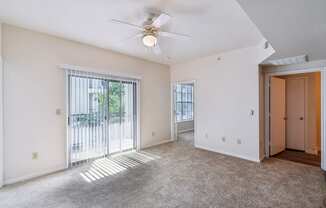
x=173 y=175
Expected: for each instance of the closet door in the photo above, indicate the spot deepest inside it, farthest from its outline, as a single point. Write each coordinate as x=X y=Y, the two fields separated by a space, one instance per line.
x=295 y=108
x=277 y=115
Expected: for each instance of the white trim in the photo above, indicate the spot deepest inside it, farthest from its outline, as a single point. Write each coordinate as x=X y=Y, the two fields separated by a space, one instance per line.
x=187 y=120
x=2 y=157
x=289 y=71
x=230 y=154
x=186 y=130
x=138 y=142
x=173 y=127
x=34 y=175
x=67 y=149
x=323 y=117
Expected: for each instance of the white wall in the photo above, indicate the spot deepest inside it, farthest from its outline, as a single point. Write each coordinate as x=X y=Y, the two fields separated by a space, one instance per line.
x=1 y=109
x=34 y=89
x=226 y=91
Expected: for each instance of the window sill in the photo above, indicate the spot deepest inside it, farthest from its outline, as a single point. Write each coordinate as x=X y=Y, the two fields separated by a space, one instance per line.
x=185 y=121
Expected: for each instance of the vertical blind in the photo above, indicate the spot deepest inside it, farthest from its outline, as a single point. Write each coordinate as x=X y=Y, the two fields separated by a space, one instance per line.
x=102 y=115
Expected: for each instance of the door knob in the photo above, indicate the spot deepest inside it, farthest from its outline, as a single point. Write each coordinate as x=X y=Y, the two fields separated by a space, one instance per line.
x=301 y=118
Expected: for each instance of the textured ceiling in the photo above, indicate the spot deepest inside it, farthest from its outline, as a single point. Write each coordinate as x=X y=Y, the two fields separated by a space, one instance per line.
x=214 y=25
x=293 y=27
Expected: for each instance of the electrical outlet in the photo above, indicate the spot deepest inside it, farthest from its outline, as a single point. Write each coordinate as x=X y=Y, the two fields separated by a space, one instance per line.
x=223 y=139
x=153 y=133
x=206 y=136
x=34 y=156
x=58 y=112
x=239 y=141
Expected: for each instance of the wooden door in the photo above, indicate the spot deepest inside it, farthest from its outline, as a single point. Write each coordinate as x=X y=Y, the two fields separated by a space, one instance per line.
x=295 y=113
x=277 y=115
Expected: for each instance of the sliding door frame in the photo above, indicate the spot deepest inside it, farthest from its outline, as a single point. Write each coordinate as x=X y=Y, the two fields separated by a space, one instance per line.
x=136 y=80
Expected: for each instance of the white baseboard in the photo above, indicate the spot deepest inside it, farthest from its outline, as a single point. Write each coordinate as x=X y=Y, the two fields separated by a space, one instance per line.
x=229 y=154
x=156 y=143
x=33 y=175
x=312 y=151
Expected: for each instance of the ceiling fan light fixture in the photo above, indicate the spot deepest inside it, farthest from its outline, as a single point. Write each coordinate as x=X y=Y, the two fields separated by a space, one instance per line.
x=149 y=40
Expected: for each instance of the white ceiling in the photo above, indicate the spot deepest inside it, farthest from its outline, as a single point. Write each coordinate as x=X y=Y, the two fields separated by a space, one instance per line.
x=214 y=25
x=293 y=27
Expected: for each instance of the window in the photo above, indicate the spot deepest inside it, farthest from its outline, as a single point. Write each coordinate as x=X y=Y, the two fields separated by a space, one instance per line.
x=184 y=102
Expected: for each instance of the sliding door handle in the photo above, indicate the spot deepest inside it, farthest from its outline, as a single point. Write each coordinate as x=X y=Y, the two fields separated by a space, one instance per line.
x=301 y=118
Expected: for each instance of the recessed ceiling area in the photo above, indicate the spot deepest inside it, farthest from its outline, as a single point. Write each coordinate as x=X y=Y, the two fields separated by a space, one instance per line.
x=293 y=27
x=214 y=26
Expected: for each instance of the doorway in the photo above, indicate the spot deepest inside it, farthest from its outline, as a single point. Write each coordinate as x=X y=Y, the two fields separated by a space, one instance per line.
x=295 y=117
x=102 y=116
x=183 y=112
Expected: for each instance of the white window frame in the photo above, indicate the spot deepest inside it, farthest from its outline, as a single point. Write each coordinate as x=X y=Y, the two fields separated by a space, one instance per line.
x=192 y=102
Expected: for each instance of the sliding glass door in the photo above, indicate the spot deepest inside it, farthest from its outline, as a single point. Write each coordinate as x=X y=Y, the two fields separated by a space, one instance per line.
x=128 y=116
x=102 y=116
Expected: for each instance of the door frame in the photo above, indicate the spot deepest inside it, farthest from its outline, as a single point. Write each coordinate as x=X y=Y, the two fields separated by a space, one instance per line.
x=173 y=123
x=267 y=76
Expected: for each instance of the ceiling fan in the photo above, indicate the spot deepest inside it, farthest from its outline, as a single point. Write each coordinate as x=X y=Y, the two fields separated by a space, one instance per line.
x=151 y=30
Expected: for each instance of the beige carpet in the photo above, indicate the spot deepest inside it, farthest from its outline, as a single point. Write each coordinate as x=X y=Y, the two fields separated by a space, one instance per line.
x=186 y=138
x=174 y=175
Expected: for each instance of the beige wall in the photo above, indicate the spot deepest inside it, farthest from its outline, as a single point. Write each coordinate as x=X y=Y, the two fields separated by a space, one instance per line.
x=34 y=88
x=312 y=141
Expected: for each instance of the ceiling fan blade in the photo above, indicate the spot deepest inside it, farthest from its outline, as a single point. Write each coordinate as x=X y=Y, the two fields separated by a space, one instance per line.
x=157 y=50
x=161 y=20
x=177 y=36
x=127 y=24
